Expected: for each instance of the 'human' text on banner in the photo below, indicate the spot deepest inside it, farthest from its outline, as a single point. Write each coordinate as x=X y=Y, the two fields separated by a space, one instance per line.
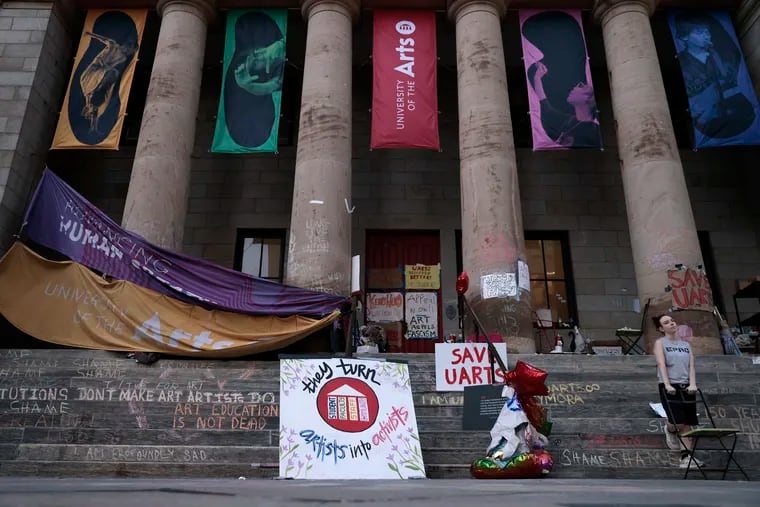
x=563 y=109
x=724 y=108
x=404 y=80
x=60 y=218
x=347 y=419
x=93 y=110
x=254 y=66
x=466 y=364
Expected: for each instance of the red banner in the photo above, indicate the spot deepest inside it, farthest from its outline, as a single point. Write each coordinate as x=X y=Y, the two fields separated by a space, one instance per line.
x=404 y=92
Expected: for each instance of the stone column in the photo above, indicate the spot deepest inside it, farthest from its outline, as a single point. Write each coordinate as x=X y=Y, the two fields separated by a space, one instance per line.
x=748 y=30
x=660 y=220
x=319 y=248
x=156 y=202
x=492 y=231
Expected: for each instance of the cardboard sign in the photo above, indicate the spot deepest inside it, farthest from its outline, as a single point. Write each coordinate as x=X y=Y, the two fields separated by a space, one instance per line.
x=420 y=276
x=690 y=289
x=464 y=364
x=347 y=419
x=385 y=306
x=421 y=315
x=384 y=278
x=482 y=405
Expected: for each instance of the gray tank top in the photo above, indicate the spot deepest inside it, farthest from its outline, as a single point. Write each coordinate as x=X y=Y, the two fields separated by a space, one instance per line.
x=676 y=360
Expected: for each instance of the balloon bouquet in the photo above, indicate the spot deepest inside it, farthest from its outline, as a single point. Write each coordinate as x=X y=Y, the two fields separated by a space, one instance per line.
x=519 y=436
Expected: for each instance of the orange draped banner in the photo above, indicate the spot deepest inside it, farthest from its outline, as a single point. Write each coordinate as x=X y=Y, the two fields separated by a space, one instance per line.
x=67 y=304
x=93 y=110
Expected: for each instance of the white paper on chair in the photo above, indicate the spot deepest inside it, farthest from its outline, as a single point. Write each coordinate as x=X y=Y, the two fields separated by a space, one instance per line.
x=657 y=407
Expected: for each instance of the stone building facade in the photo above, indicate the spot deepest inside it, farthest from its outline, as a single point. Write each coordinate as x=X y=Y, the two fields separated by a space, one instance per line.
x=613 y=220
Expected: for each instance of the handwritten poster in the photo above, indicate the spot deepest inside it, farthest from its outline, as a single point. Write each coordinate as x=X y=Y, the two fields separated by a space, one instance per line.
x=347 y=419
x=385 y=306
x=498 y=285
x=466 y=364
x=690 y=289
x=421 y=276
x=421 y=315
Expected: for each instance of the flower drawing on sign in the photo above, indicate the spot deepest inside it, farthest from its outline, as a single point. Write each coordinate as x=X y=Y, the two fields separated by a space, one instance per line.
x=292 y=372
x=395 y=374
x=405 y=453
x=296 y=466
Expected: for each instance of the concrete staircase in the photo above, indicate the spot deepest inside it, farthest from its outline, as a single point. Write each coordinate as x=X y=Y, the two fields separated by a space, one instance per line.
x=90 y=413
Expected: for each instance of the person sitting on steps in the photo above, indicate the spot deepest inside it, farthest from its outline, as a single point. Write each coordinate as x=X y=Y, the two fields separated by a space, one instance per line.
x=677 y=383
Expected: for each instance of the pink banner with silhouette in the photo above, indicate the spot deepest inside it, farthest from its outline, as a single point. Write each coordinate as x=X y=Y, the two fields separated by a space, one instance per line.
x=563 y=111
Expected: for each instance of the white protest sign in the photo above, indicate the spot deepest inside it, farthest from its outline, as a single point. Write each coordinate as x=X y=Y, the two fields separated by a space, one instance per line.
x=421 y=315
x=385 y=306
x=347 y=419
x=498 y=285
x=466 y=364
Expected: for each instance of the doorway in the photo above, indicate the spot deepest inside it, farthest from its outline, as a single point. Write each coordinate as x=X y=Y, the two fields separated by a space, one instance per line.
x=389 y=298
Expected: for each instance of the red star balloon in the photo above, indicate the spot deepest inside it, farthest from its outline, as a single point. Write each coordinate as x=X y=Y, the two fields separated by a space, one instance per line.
x=528 y=380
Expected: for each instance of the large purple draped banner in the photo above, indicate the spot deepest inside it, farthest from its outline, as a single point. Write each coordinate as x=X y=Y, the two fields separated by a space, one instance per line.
x=563 y=111
x=61 y=219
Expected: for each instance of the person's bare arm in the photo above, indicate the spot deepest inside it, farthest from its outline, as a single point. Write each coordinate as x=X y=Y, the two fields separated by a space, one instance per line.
x=659 y=356
x=692 y=374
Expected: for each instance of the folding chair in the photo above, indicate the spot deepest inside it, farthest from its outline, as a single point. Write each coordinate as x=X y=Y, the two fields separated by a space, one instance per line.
x=630 y=337
x=717 y=436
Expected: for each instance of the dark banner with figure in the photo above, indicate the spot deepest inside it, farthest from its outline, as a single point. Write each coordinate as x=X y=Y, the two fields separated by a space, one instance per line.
x=724 y=108
x=563 y=109
x=254 y=67
x=404 y=80
x=93 y=110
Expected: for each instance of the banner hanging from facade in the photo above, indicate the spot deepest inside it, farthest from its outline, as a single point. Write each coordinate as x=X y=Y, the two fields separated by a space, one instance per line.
x=563 y=111
x=723 y=106
x=254 y=66
x=348 y=419
x=404 y=80
x=94 y=107
x=61 y=219
x=66 y=303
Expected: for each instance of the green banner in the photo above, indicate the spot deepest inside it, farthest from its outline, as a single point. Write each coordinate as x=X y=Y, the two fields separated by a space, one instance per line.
x=254 y=66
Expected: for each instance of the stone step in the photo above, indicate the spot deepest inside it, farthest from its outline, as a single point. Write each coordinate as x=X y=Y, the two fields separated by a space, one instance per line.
x=203 y=418
x=171 y=455
x=577 y=469
x=455 y=471
x=558 y=362
x=136 y=469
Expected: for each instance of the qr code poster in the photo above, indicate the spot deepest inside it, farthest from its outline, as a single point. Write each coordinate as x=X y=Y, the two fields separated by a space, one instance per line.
x=498 y=285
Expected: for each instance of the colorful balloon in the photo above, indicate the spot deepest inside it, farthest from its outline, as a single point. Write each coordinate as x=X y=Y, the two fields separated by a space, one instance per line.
x=528 y=380
x=523 y=466
x=463 y=283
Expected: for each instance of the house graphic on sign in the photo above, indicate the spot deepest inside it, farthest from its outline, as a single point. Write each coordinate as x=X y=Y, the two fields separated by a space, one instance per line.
x=347 y=404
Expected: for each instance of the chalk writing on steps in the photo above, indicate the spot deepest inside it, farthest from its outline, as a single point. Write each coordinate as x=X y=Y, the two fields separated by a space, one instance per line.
x=619 y=458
